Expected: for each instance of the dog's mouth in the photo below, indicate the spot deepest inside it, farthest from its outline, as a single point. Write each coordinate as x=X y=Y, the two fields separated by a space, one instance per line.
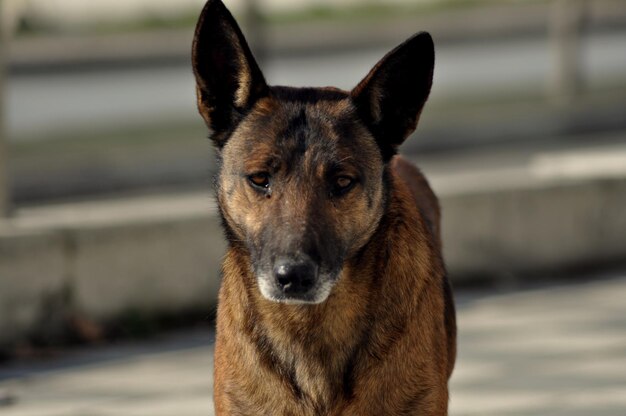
x=296 y=281
x=315 y=295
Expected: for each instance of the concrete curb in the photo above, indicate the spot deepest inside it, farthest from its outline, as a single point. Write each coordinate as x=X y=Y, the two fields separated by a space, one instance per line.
x=99 y=261
x=534 y=229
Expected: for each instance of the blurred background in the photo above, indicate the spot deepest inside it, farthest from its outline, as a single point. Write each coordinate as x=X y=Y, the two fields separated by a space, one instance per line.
x=99 y=96
x=109 y=237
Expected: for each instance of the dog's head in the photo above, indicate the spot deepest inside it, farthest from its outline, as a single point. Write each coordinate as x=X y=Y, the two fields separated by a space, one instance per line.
x=302 y=170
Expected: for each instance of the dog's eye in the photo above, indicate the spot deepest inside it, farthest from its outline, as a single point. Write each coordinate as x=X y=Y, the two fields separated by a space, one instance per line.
x=342 y=185
x=343 y=182
x=260 y=180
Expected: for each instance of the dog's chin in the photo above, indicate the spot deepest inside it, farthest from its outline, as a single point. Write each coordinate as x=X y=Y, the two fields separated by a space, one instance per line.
x=316 y=295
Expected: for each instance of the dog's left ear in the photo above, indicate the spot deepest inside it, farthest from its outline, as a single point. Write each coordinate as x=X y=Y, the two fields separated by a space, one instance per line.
x=391 y=97
x=228 y=79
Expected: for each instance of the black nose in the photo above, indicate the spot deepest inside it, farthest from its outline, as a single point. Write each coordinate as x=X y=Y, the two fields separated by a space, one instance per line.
x=295 y=276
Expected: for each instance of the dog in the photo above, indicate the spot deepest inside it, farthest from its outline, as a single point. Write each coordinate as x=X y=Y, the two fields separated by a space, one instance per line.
x=334 y=298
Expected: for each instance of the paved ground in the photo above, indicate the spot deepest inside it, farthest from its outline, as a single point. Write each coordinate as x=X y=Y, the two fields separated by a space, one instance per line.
x=550 y=350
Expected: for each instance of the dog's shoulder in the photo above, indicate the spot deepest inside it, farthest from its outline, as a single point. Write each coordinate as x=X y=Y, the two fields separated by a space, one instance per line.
x=423 y=195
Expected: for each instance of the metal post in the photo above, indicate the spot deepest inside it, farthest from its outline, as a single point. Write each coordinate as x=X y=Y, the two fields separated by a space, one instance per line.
x=5 y=199
x=566 y=25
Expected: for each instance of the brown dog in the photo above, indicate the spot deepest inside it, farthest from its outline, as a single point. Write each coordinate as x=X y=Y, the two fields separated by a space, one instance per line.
x=334 y=299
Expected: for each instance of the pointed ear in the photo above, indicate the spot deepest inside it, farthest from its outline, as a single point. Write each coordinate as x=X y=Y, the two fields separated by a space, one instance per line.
x=391 y=97
x=228 y=79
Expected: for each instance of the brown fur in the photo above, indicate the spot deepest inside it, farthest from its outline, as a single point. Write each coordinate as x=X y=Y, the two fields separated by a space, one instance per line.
x=351 y=354
x=376 y=333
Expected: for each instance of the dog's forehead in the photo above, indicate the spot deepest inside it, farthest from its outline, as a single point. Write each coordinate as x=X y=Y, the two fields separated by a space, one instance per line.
x=314 y=113
x=292 y=122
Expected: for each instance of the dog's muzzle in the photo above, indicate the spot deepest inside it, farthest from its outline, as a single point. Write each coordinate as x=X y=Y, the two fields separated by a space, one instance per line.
x=295 y=280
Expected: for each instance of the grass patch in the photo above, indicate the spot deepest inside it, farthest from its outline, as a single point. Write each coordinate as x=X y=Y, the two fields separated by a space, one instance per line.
x=102 y=142
x=377 y=10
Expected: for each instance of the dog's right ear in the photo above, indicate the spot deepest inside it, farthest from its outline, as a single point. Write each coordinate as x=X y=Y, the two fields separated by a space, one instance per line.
x=228 y=79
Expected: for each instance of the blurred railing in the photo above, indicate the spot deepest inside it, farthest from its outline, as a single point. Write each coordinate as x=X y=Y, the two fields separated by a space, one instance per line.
x=566 y=25
x=4 y=182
